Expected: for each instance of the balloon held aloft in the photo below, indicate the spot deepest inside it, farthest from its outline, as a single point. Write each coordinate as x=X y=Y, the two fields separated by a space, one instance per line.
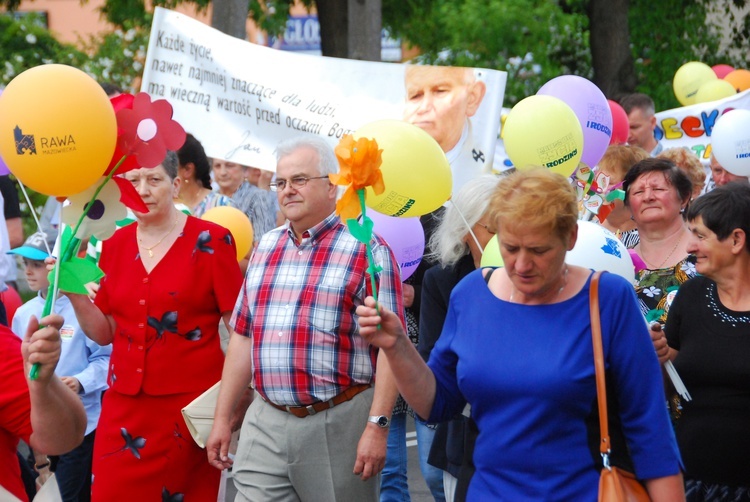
x=57 y=129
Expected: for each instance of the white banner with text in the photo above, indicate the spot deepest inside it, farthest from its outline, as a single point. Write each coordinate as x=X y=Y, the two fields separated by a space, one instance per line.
x=241 y=99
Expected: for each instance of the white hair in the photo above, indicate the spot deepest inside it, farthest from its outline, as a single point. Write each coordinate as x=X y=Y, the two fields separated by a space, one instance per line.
x=448 y=242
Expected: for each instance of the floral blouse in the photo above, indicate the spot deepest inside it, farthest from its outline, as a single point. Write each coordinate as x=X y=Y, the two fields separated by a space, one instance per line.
x=657 y=288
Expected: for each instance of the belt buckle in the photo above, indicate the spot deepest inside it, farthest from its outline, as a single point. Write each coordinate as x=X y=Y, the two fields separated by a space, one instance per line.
x=310 y=409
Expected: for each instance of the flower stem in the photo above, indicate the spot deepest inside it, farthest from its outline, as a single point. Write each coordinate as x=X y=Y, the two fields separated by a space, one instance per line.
x=370 y=258
x=71 y=248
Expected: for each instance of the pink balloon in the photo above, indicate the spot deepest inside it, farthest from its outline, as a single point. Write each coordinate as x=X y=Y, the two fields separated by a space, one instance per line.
x=405 y=237
x=722 y=70
x=620 y=123
x=590 y=106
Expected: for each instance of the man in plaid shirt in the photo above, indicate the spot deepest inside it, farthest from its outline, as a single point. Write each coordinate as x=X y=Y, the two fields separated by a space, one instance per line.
x=318 y=428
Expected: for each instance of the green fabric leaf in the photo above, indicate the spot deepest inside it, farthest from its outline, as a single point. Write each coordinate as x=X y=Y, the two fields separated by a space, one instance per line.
x=361 y=231
x=74 y=273
x=654 y=315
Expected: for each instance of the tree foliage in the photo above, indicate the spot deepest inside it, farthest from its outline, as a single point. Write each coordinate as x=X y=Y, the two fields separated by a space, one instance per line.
x=533 y=40
x=665 y=35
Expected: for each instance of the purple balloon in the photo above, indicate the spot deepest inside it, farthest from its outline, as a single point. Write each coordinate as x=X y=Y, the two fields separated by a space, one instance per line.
x=405 y=236
x=591 y=108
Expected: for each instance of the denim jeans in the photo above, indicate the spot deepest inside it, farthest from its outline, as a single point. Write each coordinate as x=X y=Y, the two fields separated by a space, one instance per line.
x=394 y=485
x=73 y=471
x=432 y=475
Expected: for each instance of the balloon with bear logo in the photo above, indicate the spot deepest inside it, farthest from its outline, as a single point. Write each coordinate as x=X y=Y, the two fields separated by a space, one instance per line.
x=57 y=129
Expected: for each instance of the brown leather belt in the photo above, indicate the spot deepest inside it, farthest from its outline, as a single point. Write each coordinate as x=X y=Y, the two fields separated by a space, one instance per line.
x=312 y=409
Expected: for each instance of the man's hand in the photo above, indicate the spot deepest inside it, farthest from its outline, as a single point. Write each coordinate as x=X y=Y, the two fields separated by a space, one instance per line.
x=44 y=473
x=371 y=451
x=217 y=446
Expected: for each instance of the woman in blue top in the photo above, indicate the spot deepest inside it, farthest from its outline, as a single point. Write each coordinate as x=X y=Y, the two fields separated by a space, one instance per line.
x=516 y=345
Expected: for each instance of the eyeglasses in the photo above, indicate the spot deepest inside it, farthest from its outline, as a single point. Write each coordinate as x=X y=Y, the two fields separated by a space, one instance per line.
x=297 y=182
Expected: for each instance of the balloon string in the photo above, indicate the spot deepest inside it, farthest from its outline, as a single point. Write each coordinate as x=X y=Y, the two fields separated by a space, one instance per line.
x=70 y=249
x=471 y=231
x=33 y=213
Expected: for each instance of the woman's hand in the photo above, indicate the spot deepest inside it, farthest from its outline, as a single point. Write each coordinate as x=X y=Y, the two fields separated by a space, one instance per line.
x=381 y=329
x=659 y=341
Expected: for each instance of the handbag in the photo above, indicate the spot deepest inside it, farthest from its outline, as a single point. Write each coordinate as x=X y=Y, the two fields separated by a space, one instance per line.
x=199 y=417
x=615 y=484
x=199 y=414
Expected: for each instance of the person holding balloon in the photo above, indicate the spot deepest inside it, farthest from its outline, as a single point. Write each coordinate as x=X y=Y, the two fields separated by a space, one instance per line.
x=195 y=179
x=457 y=246
x=657 y=193
x=169 y=279
x=516 y=345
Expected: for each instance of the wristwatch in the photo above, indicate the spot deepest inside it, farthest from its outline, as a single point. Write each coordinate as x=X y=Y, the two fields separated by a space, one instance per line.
x=379 y=420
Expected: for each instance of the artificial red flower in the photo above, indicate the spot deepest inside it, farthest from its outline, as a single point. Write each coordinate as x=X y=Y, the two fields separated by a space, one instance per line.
x=359 y=163
x=129 y=196
x=147 y=131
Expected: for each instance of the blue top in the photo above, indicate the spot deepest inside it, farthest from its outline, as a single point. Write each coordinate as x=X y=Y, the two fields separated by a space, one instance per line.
x=528 y=373
x=80 y=357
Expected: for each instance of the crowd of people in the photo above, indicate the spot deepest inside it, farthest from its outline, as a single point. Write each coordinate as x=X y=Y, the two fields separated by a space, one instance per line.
x=495 y=363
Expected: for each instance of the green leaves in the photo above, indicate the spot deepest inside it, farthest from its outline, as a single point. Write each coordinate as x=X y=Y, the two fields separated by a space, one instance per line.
x=75 y=273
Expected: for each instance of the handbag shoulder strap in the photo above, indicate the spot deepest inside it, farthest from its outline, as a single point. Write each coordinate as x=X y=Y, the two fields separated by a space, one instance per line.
x=601 y=387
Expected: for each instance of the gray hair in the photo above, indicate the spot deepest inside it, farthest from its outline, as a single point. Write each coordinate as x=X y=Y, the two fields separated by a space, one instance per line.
x=170 y=164
x=328 y=163
x=447 y=243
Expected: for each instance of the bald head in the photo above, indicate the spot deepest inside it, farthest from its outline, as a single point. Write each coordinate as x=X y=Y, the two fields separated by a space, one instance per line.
x=439 y=99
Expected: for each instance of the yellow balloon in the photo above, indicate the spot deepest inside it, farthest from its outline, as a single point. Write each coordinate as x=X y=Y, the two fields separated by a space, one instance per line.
x=713 y=90
x=416 y=173
x=491 y=256
x=689 y=78
x=542 y=130
x=237 y=223
x=57 y=129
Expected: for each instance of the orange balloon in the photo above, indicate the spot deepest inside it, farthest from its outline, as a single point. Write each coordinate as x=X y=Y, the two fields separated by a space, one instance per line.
x=57 y=129
x=237 y=223
x=740 y=79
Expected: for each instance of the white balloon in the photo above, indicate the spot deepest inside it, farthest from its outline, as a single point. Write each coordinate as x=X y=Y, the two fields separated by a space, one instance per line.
x=599 y=249
x=730 y=141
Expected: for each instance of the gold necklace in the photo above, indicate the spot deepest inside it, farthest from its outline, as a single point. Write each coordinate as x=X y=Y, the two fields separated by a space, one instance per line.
x=670 y=253
x=150 y=253
x=565 y=283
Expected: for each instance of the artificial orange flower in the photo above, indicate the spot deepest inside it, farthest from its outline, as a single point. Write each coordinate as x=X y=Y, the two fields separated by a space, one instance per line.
x=359 y=163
